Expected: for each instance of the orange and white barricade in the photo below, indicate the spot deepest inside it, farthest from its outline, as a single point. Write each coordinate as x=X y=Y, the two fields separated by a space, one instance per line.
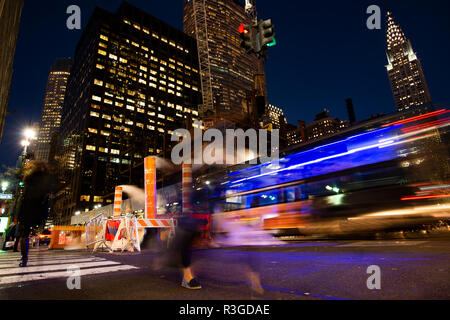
x=117 y=209
x=127 y=237
x=159 y=223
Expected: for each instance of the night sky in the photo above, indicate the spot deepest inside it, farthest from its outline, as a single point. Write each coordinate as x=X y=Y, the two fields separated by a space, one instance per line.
x=325 y=54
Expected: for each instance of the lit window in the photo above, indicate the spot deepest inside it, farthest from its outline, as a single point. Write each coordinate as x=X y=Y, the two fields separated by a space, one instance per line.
x=98 y=82
x=92 y=130
x=107 y=117
x=112 y=56
x=104 y=150
x=90 y=148
x=99 y=66
x=146 y=30
x=102 y=52
x=105 y=133
x=115 y=151
x=103 y=37
x=96 y=98
x=123 y=60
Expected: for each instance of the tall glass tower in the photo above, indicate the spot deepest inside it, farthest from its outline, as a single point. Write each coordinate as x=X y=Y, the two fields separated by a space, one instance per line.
x=227 y=71
x=405 y=70
x=53 y=104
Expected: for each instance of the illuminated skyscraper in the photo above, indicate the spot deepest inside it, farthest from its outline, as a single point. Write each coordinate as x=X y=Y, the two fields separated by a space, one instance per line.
x=228 y=72
x=10 y=13
x=405 y=70
x=53 y=104
x=274 y=116
x=134 y=81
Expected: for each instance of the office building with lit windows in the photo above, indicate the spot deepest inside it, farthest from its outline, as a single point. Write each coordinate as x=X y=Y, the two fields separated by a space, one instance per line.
x=10 y=14
x=324 y=125
x=405 y=70
x=228 y=72
x=52 y=109
x=274 y=116
x=134 y=81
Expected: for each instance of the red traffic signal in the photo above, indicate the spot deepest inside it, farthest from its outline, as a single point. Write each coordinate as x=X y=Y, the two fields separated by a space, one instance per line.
x=243 y=29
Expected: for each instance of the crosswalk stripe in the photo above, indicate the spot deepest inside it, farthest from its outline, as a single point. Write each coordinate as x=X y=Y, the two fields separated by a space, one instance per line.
x=62 y=274
x=43 y=259
x=49 y=262
x=55 y=267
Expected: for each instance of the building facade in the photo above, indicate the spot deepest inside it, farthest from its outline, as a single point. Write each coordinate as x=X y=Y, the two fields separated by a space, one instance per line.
x=324 y=125
x=52 y=109
x=134 y=81
x=10 y=14
x=228 y=72
x=405 y=71
x=274 y=116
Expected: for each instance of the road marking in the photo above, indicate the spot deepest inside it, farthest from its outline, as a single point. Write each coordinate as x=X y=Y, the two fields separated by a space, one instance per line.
x=383 y=243
x=62 y=274
x=39 y=263
x=55 y=267
x=45 y=265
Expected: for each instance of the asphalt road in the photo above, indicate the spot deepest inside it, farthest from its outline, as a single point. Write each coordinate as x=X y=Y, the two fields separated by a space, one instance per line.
x=321 y=270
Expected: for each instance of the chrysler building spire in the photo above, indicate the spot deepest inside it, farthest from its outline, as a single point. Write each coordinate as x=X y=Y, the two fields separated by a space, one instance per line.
x=404 y=69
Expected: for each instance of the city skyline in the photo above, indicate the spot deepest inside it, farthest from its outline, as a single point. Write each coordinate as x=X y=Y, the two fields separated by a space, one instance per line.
x=310 y=91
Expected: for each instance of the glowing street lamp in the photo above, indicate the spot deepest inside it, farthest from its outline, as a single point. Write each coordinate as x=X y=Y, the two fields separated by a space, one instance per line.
x=30 y=134
x=5 y=185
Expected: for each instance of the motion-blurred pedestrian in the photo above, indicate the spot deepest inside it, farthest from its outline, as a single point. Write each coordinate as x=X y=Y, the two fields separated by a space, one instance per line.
x=180 y=250
x=34 y=204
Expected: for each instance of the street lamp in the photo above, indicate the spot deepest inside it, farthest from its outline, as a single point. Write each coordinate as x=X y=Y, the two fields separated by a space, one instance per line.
x=29 y=134
x=5 y=185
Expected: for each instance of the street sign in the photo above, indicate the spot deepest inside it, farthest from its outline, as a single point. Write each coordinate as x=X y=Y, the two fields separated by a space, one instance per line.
x=6 y=196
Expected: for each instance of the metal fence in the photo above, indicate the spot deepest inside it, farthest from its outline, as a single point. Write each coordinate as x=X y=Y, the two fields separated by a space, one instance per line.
x=95 y=231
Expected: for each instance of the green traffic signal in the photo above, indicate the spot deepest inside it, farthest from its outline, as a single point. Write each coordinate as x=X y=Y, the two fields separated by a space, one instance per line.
x=266 y=35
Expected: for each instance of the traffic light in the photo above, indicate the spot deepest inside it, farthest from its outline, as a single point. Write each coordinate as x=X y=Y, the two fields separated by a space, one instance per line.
x=247 y=37
x=266 y=36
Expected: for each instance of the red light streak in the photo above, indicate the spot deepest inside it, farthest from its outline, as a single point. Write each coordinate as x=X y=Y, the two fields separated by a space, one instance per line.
x=426 y=125
x=416 y=118
x=426 y=197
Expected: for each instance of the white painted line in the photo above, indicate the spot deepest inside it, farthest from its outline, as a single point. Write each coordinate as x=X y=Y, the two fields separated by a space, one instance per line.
x=41 y=258
x=55 y=267
x=39 y=263
x=62 y=274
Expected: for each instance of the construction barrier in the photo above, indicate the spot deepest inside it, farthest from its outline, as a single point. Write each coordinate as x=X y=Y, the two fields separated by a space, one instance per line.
x=117 y=201
x=150 y=187
x=113 y=234
x=63 y=236
x=95 y=230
